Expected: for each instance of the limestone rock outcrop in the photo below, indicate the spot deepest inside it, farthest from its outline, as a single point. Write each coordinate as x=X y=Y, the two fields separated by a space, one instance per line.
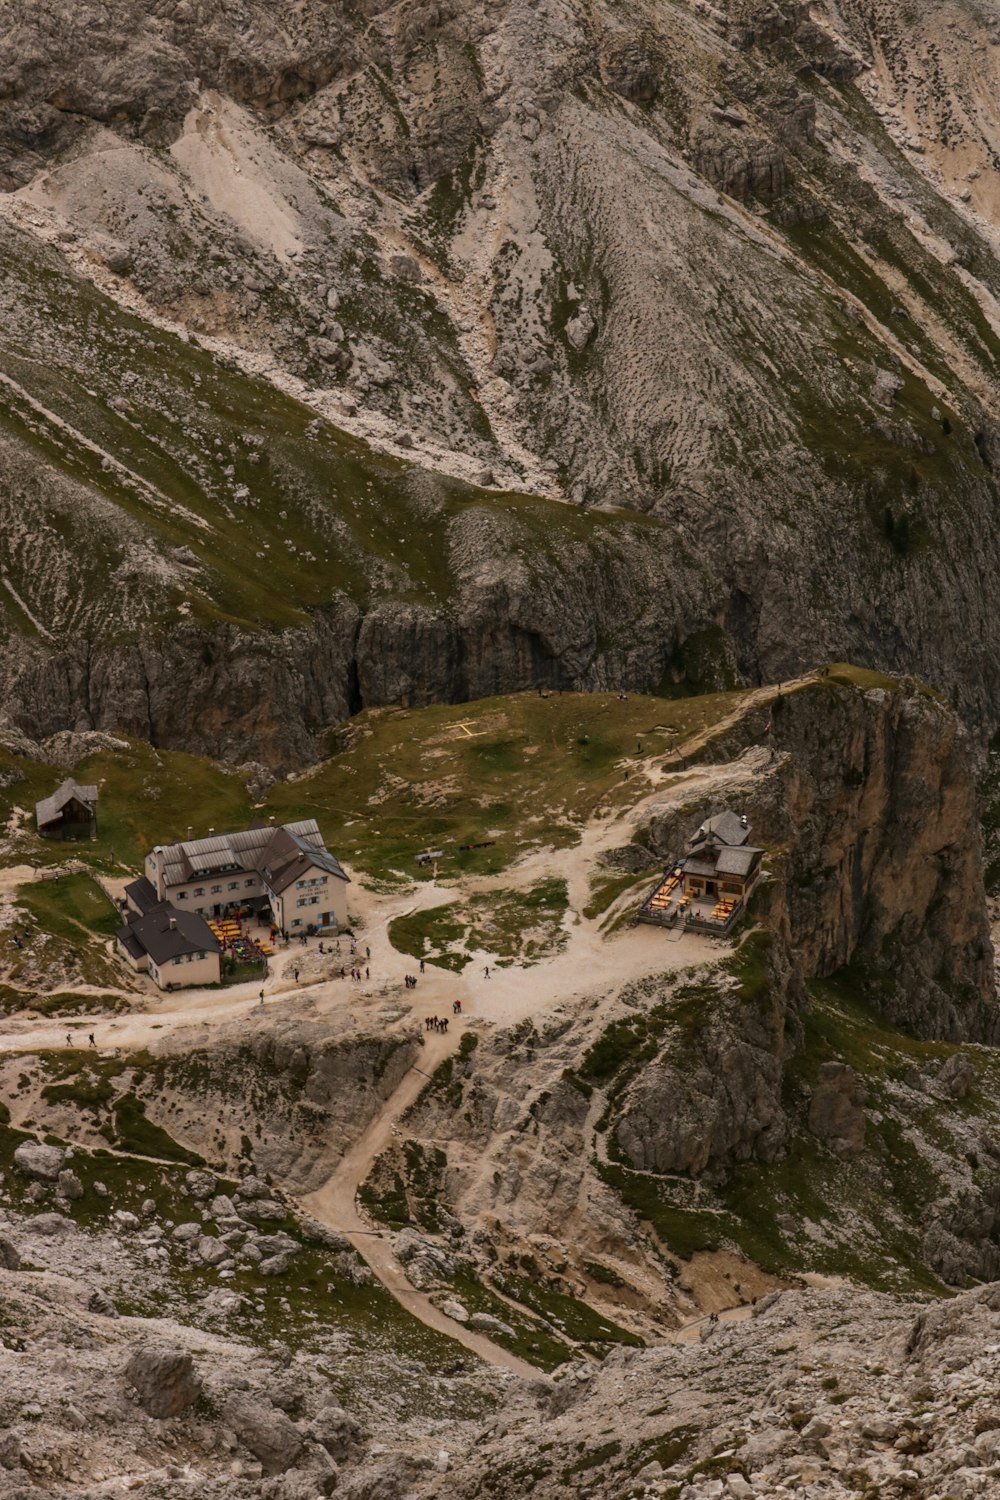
x=165 y=1380
x=677 y=324
x=39 y=1161
x=266 y=1431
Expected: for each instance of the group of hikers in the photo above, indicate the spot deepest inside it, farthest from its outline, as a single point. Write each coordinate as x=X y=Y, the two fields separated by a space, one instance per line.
x=435 y=1023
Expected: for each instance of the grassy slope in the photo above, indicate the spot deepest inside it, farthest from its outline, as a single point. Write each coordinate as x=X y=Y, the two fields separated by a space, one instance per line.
x=300 y=1308
x=281 y=511
x=524 y=771
x=863 y=1218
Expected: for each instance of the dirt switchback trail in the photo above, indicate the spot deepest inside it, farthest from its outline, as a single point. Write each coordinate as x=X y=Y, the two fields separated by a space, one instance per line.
x=335 y=1204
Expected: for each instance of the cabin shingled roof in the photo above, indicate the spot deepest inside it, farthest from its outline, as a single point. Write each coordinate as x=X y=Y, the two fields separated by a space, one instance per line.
x=725 y=827
x=49 y=808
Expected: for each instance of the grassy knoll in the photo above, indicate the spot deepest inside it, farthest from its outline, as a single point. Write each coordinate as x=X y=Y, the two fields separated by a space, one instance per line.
x=508 y=774
x=70 y=906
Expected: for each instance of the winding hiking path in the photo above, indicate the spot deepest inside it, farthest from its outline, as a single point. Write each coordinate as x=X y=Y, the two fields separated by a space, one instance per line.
x=590 y=961
x=335 y=1204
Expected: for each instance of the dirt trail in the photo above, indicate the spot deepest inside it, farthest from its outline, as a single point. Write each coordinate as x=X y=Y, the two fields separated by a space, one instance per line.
x=589 y=962
x=335 y=1204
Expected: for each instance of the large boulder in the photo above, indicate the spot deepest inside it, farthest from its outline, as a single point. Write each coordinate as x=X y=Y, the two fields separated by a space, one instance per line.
x=36 y=1160
x=277 y=1244
x=69 y=1185
x=336 y=1430
x=268 y=1433
x=200 y=1184
x=164 y=1378
x=425 y=1263
x=213 y=1251
x=51 y=1224
x=9 y=1258
x=274 y=1265
x=957 y=1075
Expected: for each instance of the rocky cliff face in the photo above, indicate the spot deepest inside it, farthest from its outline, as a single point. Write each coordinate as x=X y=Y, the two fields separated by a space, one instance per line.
x=818 y=1071
x=866 y=801
x=884 y=866
x=659 y=261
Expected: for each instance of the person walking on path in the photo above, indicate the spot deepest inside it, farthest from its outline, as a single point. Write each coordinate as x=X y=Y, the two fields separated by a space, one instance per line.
x=295 y=975
x=92 y=1041
x=69 y=1039
x=486 y=972
x=262 y=994
x=421 y=966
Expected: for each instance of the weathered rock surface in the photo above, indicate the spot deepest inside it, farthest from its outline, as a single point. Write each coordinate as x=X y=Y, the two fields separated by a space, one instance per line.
x=714 y=160
x=39 y=1161
x=165 y=1380
x=268 y=1433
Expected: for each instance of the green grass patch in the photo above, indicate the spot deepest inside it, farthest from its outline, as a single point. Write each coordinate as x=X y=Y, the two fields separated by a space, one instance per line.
x=685 y=1232
x=430 y=934
x=529 y=1339
x=575 y=1319
x=72 y=907
x=141 y=1137
x=605 y=890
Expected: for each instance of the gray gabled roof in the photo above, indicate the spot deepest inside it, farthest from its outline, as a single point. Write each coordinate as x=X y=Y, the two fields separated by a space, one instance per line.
x=155 y=935
x=190 y=858
x=142 y=895
x=289 y=856
x=49 y=808
x=737 y=861
x=726 y=827
x=128 y=940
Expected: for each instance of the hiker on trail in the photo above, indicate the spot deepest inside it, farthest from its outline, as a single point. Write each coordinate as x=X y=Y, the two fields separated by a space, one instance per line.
x=321 y=945
x=421 y=966
x=458 y=1007
x=368 y=952
x=69 y=1039
x=295 y=975
x=486 y=972
x=92 y=1041
x=342 y=971
x=367 y=974
x=262 y=994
